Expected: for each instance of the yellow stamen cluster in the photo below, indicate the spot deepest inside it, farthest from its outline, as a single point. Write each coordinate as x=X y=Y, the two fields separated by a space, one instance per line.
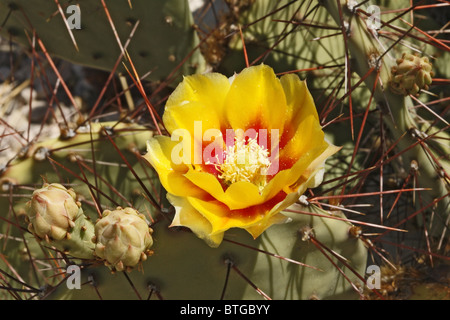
x=245 y=162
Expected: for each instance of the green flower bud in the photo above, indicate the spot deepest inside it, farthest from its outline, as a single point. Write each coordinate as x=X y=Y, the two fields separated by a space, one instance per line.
x=122 y=238
x=52 y=211
x=411 y=74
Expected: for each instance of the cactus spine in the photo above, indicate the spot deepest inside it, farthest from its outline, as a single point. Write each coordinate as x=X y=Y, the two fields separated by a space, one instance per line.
x=163 y=37
x=399 y=118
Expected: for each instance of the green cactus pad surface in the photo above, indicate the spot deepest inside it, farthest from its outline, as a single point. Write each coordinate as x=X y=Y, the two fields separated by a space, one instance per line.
x=90 y=163
x=164 y=38
x=184 y=267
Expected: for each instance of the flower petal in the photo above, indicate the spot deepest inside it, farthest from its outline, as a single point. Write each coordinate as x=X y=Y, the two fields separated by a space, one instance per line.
x=313 y=175
x=187 y=216
x=159 y=152
x=197 y=98
x=310 y=165
x=222 y=218
x=287 y=179
x=233 y=197
x=256 y=100
x=307 y=136
x=300 y=103
x=257 y=229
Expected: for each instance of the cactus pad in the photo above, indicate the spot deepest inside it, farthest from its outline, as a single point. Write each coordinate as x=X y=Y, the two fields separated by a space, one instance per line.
x=163 y=39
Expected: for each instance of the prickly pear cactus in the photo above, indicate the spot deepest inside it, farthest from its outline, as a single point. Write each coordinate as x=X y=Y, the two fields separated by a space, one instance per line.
x=179 y=265
x=164 y=37
x=347 y=47
x=87 y=162
x=286 y=263
x=384 y=107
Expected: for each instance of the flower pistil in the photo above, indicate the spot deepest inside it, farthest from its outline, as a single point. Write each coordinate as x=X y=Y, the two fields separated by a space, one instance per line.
x=247 y=161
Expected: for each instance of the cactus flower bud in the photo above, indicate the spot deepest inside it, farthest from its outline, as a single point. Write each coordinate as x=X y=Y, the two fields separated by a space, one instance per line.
x=122 y=238
x=52 y=211
x=411 y=74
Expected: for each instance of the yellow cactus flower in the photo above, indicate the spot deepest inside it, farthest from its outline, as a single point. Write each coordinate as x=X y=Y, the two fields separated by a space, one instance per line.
x=240 y=150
